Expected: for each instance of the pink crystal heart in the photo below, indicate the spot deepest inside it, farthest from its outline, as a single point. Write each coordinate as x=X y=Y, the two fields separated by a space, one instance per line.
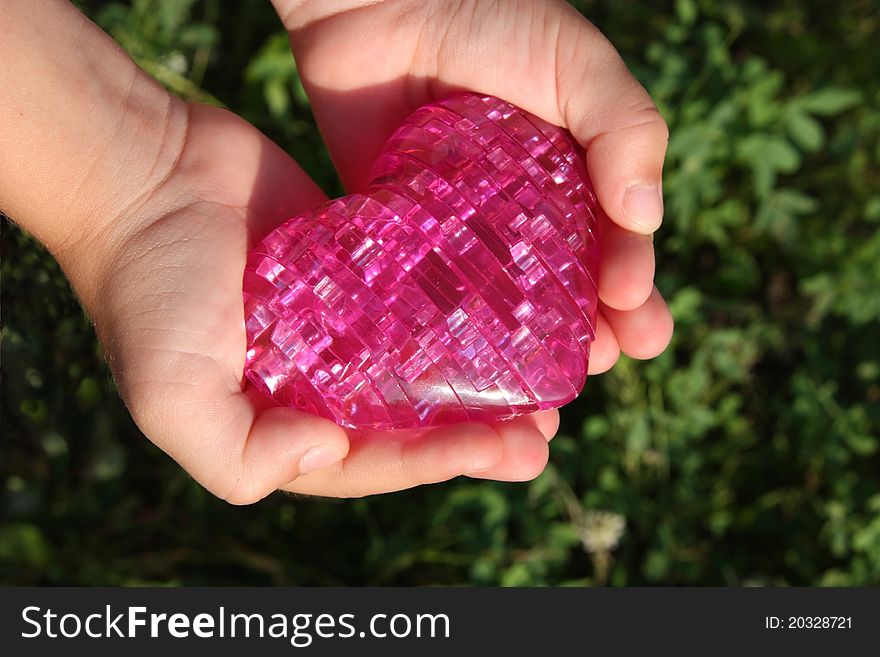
x=459 y=286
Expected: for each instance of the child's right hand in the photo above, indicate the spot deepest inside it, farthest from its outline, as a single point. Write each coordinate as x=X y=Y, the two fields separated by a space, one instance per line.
x=366 y=65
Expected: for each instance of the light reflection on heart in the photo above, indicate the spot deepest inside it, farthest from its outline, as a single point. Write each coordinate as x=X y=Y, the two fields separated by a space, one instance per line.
x=459 y=286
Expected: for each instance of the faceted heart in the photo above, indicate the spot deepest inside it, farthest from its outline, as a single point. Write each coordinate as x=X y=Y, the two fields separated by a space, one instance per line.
x=459 y=286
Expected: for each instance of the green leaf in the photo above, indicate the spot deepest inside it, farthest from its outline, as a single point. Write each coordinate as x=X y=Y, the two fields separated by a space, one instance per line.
x=23 y=544
x=872 y=208
x=656 y=565
x=806 y=131
x=639 y=436
x=685 y=304
x=793 y=202
x=830 y=100
x=199 y=36
x=277 y=96
x=861 y=444
x=686 y=10
x=781 y=155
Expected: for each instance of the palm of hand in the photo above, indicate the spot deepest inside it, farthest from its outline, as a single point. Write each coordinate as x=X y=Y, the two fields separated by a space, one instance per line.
x=173 y=329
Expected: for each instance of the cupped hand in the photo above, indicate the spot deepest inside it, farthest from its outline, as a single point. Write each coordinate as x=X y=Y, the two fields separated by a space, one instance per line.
x=164 y=284
x=167 y=305
x=366 y=65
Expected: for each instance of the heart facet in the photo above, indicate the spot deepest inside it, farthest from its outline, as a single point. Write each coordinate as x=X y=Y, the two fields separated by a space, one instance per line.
x=459 y=286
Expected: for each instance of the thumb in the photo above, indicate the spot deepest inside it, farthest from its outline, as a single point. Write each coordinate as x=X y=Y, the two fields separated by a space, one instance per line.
x=570 y=75
x=282 y=444
x=612 y=115
x=218 y=434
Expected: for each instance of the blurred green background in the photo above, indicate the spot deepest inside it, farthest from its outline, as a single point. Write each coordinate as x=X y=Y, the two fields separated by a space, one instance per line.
x=746 y=454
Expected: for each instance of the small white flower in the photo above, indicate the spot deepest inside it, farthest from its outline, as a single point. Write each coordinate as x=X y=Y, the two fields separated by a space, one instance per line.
x=176 y=61
x=601 y=530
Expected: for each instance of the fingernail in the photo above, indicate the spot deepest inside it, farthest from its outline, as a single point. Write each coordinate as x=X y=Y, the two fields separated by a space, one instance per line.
x=319 y=457
x=643 y=205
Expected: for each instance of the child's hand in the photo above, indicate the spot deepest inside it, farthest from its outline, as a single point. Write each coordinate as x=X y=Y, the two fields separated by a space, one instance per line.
x=150 y=205
x=366 y=65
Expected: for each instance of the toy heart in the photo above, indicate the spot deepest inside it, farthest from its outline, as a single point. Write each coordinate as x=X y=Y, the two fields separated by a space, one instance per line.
x=460 y=286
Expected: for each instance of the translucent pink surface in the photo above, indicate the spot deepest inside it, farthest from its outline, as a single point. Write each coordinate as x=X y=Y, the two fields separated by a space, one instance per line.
x=459 y=286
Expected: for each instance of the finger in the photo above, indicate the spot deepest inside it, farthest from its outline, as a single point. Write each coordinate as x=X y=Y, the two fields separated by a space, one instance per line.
x=605 y=349
x=547 y=423
x=525 y=452
x=524 y=457
x=382 y=461
x=644 y=332
x=627 y=266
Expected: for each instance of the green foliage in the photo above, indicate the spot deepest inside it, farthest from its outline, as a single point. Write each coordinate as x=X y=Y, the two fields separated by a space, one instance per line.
x=746 y=454
x=160 y=38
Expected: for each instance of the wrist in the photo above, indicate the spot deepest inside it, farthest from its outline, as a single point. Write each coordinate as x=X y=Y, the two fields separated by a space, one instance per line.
x=86 y=136
x=116 y=199
x=297 y=14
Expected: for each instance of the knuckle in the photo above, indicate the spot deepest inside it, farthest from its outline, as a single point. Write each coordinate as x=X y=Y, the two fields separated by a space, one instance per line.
x=651 y=116
x=241 y=494
x=645 y=115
